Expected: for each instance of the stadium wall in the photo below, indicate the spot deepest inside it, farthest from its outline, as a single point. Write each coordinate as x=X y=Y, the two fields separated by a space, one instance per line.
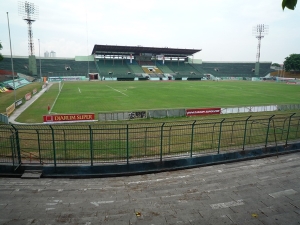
x=166 y=113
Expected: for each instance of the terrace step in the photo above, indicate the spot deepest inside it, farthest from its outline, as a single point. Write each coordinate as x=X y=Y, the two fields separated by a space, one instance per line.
x=32 y=174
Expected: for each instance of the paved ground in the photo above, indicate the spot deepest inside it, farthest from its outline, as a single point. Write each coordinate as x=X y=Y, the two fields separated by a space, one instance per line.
x=261 y=192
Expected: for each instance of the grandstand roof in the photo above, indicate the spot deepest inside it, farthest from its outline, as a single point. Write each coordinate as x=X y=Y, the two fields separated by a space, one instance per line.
x=136 y=50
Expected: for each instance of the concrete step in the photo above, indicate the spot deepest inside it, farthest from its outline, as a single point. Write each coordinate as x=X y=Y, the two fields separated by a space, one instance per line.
x=32 y=174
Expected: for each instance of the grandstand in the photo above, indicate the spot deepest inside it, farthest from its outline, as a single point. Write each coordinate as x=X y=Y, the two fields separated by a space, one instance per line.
x=135 y=62
x=20 y=64
x=233 y=69
x=183 y=69
x=114 y=68
x=66 y=67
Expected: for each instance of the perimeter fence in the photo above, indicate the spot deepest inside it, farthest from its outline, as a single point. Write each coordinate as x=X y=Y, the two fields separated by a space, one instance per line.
x=125 y=143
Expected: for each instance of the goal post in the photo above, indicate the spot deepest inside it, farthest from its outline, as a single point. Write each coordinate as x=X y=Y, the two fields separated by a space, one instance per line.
x=60 y=85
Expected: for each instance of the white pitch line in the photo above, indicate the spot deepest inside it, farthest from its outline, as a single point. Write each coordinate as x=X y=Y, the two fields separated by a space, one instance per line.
x=117 y=90
x=56 y=98
x=79 y=90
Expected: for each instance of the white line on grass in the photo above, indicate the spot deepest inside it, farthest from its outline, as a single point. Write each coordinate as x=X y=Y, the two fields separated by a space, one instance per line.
x=117 y=90
x=56 y=98
x=79 y=90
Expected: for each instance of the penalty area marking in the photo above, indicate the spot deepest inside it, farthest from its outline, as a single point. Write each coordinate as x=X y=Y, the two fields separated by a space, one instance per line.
x=116 y=90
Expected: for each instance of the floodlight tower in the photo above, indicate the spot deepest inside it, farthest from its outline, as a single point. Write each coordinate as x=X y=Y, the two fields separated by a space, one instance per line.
x=29 y=13
x=259 y=32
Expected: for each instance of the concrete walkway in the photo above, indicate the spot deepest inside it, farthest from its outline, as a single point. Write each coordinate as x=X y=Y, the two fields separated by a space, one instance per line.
x=12 y=118
x=255 y=192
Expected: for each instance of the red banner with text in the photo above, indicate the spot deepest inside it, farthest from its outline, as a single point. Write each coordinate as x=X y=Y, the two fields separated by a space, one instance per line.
x=68 y=118
x=203 y=112
x=28 y=96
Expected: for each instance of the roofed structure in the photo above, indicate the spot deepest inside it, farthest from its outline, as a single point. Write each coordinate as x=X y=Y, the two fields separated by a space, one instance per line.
x=139 y=50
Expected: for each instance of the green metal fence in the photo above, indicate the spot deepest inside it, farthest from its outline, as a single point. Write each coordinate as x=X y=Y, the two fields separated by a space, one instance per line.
x=124 y=143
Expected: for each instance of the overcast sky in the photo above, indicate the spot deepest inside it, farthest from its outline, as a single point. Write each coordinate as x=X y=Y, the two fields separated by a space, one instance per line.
x=221 y=28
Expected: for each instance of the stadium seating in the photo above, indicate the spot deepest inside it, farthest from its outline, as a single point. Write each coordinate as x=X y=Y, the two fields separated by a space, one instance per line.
x=182 y=69
x=229 y=69
x=125 y=69
x=164 y=68
x=114 y=68
x=20 y=64
x=51 y=66
x=66 y=67
x=134 y=67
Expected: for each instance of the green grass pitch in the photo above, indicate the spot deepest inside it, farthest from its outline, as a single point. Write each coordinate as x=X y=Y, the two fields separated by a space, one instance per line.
x=129 y=96
x=94 y=97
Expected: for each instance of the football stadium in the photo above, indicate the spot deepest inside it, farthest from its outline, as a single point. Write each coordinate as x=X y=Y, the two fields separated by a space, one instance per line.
x=143 y=104
x=125 y=109
x=131 y=134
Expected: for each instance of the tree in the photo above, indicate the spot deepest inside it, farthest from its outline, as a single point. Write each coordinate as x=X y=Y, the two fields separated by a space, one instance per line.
x=1 y=57
x=290 y=4
x=275 y=65
x=292 y=63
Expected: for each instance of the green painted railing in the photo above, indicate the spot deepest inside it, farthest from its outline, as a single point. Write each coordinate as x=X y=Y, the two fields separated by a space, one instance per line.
x=96 y=144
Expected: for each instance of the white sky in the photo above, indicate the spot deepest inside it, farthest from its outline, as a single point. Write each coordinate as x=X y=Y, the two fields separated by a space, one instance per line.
x=221 y=28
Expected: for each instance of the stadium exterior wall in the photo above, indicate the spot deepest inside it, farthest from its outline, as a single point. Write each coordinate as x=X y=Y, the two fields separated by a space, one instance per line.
x=165 y=113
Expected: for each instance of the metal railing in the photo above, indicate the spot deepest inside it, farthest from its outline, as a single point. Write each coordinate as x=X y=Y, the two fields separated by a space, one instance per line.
x=125 y=143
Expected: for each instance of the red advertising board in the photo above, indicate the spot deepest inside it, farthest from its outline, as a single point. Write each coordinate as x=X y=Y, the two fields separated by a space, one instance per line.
x=68 y=118
x=28 y=96
x=203 y=111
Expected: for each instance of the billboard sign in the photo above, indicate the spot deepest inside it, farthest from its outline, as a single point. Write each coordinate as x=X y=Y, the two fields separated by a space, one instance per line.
x=203 y=111
x=28 y=96
x=61 y=118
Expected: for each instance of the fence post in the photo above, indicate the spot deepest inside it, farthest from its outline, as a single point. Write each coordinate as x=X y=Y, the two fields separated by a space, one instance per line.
x=245 y=132
x=161 y=141
x=297 y=127
x=268 y=130
x=170 y=139
x=232 y=131
x=220 y=132
x=192 y=139
x=145 y=141
x=91 y=145
x=127 y=144
x=212 y=136
x=287 y=136
x=283 y=127
x=39 y=145
x=53 y=142
x=65 y=144
x=18 y=144
x=13 y=145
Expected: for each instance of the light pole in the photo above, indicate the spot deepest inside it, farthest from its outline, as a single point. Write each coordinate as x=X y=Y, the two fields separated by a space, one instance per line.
x=12 y=62
x=40 y=62
x=259 y=32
